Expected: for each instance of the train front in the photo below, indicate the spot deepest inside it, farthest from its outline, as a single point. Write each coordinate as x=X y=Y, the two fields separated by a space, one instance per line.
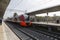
x=24 y=21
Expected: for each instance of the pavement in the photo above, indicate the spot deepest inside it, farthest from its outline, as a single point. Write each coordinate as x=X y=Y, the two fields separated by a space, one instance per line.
x=6 y=33
x=1 y=33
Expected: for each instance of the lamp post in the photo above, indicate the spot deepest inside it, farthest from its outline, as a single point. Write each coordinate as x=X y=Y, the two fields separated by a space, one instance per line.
x=47 y=17
x=49 y=27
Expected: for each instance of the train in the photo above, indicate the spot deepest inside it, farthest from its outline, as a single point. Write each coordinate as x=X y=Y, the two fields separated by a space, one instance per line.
x=22 y=19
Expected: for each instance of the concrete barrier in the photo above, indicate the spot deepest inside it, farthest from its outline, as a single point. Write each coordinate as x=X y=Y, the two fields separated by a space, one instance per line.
x=8 y=34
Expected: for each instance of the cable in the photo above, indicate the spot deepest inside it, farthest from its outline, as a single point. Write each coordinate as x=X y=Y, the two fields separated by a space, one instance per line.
x=15 y=10
x=18 y=3
x=16 y=6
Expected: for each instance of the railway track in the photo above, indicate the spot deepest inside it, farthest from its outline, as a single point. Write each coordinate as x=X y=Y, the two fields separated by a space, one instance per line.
x=20 y=34
x=52 y=35
x=31 y=33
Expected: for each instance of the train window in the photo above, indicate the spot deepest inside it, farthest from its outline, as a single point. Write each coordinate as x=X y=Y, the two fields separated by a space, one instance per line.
x=26 y=17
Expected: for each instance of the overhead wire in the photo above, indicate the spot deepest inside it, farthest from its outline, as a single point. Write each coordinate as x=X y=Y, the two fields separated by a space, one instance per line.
x=18 y=3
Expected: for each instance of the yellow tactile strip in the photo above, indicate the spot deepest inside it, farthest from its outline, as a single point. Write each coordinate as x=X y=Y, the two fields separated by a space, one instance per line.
x=1 y=33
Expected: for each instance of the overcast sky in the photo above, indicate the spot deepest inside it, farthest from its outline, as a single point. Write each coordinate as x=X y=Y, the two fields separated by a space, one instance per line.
x=22 y=6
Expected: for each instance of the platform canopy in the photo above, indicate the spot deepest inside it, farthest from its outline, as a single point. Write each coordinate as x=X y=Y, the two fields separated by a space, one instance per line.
x=3 y=5
x=44 y=6
x=51 y=9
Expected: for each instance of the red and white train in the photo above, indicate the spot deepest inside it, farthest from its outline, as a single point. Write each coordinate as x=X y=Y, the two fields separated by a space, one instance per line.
x=23 y=20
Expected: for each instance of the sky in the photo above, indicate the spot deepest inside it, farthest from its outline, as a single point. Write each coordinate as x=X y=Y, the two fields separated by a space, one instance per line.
x=26 y=6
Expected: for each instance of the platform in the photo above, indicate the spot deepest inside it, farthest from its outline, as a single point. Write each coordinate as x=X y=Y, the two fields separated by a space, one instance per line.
x=47 y=23
x=1 y=33
x=6 y=33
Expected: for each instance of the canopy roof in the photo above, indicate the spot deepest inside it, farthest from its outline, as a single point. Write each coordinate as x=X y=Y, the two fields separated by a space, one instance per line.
x=3 y=5
x=51 y=9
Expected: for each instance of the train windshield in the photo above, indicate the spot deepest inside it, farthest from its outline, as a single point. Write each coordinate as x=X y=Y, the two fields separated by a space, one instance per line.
x=26 y=17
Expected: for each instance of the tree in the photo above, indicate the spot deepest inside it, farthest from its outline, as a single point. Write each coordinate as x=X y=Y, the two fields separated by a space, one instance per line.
x=15 y=14
x=15 y=17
